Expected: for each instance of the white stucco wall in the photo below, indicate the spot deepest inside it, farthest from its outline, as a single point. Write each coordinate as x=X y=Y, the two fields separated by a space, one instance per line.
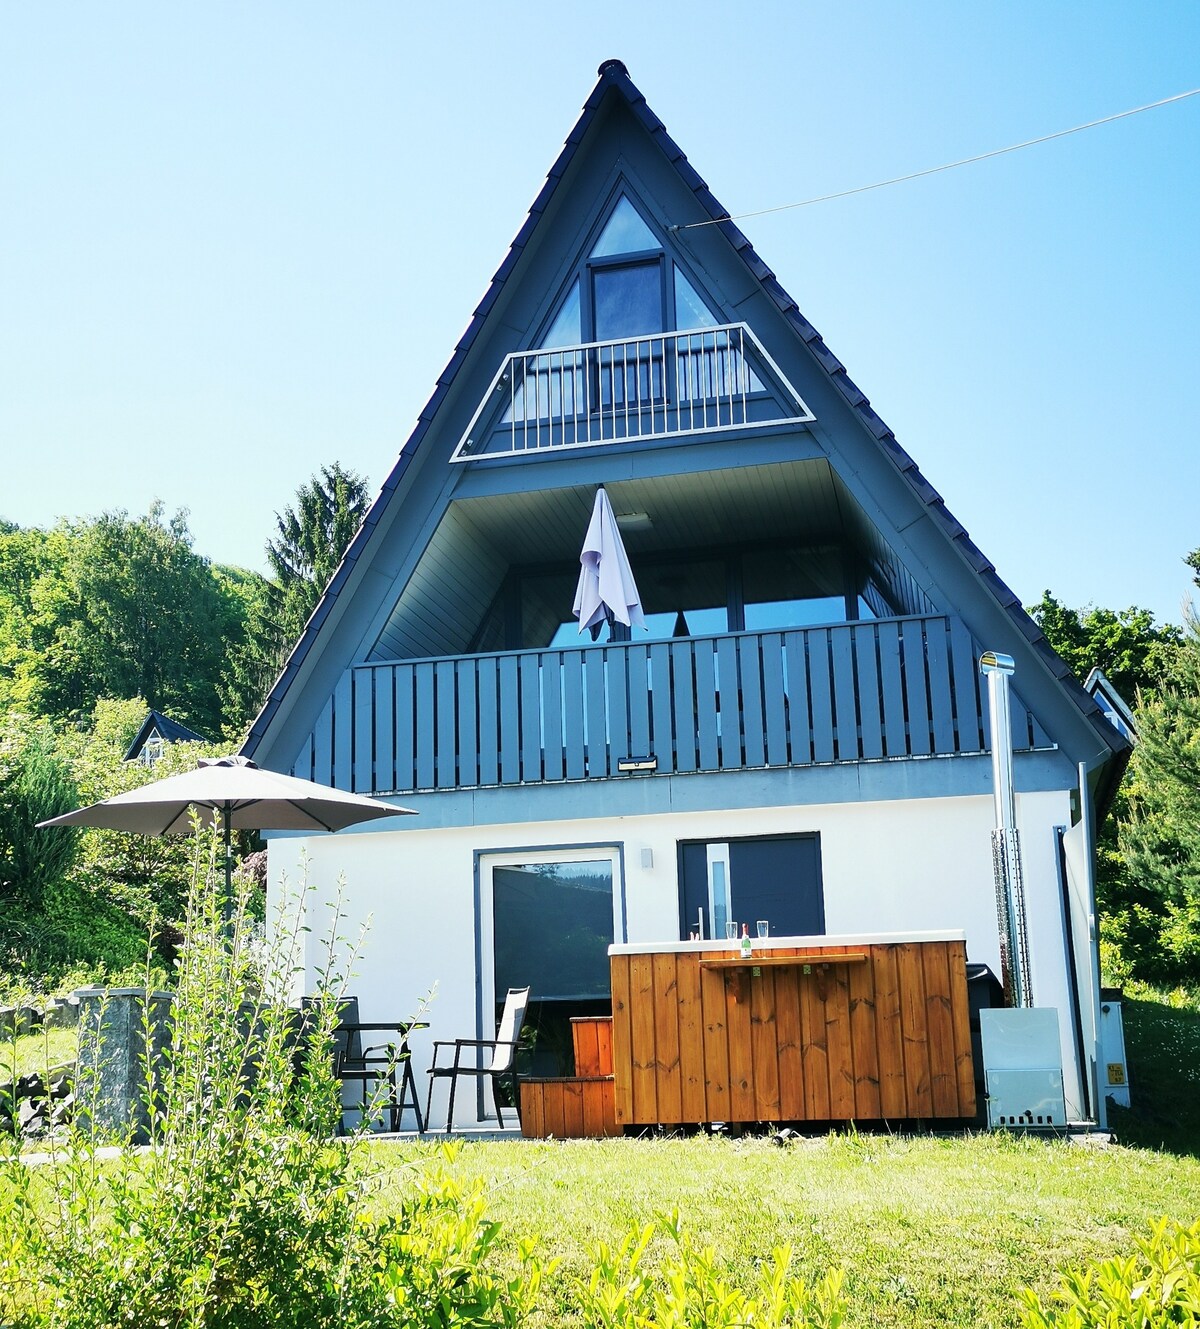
x=904 y=866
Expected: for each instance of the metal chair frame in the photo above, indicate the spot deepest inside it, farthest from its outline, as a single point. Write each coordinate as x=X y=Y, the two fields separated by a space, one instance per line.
x=370 y=1070
x=503 y=1061
x=379 y=1063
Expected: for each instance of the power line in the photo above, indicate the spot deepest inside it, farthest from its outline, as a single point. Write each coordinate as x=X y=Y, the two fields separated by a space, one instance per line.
x=949 y=166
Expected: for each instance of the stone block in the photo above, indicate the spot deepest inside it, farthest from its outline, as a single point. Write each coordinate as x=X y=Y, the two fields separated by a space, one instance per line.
x=113 y=1057
x=17 y=1021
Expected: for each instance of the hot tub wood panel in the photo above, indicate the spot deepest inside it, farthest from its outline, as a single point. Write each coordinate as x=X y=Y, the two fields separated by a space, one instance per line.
x=882 y=1033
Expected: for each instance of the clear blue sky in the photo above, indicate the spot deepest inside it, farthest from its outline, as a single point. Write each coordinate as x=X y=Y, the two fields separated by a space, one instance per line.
x=239 y=241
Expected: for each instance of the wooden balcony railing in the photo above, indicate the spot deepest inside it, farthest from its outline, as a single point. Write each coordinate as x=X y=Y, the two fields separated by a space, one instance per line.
x=856 y=691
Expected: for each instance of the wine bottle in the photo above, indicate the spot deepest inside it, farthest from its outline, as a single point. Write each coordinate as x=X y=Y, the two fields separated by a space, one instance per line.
x=746 y=943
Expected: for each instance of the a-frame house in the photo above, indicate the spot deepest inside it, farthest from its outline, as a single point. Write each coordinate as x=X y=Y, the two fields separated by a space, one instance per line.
x=800 y=736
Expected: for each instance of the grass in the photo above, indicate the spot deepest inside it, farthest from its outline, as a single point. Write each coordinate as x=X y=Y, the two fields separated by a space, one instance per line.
x=930 y=1231
x=36 y=1051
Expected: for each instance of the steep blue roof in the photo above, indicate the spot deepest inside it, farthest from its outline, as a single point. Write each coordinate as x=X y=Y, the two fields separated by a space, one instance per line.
x=170 y=730
x=614 y=79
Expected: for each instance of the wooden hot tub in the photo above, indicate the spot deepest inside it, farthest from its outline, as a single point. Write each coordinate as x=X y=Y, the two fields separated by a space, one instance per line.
x=845 y=1028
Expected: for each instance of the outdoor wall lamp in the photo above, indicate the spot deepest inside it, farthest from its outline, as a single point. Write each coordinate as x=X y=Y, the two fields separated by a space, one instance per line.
x=649 y=763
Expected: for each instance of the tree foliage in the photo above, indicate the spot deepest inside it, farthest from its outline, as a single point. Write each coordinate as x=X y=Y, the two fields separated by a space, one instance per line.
x=1134 y=651
x=311 y=537
x=114 y=606
x=25 y=556
x=1139 y=657
x=35 y=784
x=1160 y=840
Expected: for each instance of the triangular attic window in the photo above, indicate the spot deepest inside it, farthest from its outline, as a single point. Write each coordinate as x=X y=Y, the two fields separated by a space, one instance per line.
x=690 y=309
x=566 y=330
x=691 y=312
x=624 y=233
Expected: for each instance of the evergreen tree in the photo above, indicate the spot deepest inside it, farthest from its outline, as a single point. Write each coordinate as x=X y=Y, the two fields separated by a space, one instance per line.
x=312 y=537
x=35 y=784
x=1137 y=655
x=1160 y=841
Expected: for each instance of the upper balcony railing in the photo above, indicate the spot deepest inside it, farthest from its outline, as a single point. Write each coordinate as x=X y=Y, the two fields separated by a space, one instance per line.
x=904 y=687
x=655 y=386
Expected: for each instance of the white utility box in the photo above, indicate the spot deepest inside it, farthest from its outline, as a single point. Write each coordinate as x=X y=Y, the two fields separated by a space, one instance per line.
x=1114 y=1081
x=1022 y=1069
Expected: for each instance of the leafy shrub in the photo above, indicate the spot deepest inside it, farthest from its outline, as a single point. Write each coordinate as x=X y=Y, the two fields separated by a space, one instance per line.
x=1159 y=1286
x=249 y=1212
x=691 y=1291
x=431 y=1260
x=34 y=786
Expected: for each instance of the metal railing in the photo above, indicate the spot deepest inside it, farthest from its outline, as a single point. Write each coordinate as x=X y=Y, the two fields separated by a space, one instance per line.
x=631 y=388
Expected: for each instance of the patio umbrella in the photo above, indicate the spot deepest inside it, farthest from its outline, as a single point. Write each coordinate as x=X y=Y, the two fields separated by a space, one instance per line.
x=240 y=794
x=606 y=590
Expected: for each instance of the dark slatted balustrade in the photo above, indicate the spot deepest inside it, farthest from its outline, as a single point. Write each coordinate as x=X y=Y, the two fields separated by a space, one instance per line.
x=850 y=692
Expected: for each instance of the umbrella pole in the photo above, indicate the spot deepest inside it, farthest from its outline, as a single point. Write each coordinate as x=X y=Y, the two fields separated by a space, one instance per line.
x=227 y=903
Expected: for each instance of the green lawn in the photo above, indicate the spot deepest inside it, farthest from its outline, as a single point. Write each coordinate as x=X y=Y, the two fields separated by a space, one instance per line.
x=931 y=1231
x=37 y=1051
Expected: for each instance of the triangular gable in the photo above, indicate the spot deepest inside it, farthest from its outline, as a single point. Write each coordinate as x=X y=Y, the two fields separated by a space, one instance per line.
x=632 y=348
x=163 y=728
x=615 y=82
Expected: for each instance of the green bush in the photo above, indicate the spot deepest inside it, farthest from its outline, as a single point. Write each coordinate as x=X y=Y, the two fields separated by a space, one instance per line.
x=35 y=784
x=690 y=1290
x=1159 y=1286
x=249 y=1212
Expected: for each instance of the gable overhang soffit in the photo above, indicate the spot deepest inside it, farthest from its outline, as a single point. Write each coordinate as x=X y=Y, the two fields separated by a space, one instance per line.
x=615 y=86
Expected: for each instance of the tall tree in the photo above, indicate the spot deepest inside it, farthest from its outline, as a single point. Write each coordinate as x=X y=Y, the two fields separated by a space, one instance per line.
x=1134 y=651
x=311 y=538
x=1160 y=840
x=25 y=556
x=126 y=608
x=254 y=655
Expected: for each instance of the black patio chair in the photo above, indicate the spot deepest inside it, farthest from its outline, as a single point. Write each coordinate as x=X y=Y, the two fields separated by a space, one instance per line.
x=370 y=1067
x=501 y=1064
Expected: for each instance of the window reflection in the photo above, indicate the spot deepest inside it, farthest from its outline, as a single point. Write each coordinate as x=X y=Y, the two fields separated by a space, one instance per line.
x=758 y=590
x=552 y=927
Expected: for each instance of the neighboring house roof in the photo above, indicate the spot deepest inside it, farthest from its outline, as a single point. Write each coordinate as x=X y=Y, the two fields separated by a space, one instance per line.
x=170 y=731
x=614 y=78
x=1116 y=710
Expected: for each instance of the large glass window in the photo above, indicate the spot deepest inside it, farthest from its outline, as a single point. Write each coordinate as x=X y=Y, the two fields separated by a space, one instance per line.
x=790 y=588
x=628 y=301
x=776 y=879
x=553 y=921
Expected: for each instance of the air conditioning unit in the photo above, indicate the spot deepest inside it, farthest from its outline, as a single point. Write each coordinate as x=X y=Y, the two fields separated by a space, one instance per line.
x=1022 y=1069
